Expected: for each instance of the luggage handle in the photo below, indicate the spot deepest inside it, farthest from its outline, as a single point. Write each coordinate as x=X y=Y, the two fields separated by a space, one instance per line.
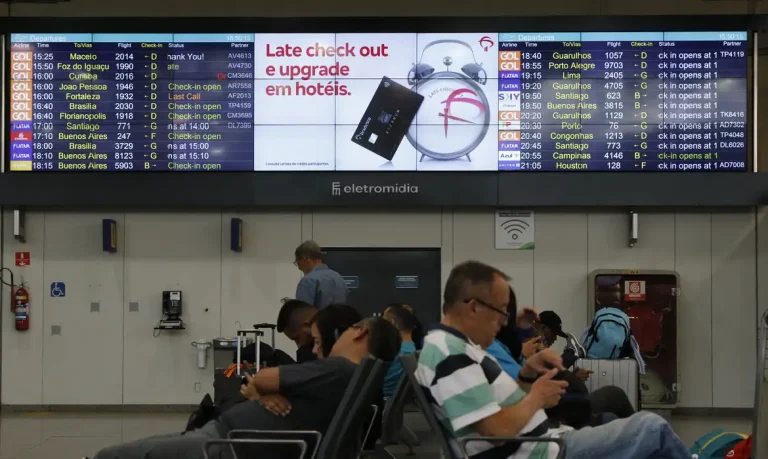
x=259 y=334
x=270 y=327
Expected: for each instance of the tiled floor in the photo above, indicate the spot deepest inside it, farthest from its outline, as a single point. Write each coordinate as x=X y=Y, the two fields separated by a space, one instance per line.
x=65 y=436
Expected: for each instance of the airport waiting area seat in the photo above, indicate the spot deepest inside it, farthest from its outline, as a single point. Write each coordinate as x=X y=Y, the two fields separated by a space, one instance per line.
x=393 y=428
x=453 y=448
x=343 y=438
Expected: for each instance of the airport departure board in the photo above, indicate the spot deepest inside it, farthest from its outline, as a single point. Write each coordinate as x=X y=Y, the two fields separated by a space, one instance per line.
x=581 y=101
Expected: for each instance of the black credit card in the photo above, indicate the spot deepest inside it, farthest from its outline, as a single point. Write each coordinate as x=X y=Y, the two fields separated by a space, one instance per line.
x=387 y=118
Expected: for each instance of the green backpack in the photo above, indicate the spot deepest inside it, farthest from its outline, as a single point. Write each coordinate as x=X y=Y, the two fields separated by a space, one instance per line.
x=716 y=444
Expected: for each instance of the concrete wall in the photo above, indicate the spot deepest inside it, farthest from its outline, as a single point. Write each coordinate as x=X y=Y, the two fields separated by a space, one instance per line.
x=111 y=357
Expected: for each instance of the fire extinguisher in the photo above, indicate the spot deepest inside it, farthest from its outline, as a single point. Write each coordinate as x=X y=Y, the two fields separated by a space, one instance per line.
x=21 y=308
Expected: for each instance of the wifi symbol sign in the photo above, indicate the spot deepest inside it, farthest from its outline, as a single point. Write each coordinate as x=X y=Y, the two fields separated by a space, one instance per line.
x=515 y=228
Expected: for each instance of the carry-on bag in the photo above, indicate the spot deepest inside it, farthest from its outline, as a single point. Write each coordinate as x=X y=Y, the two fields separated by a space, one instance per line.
x=609 y=335
x=717 y=444
x=269 y=356
x=622 y=373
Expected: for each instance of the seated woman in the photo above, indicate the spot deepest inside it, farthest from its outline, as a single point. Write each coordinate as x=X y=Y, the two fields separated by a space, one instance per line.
x=328 y=324
x=418 y=330
x=508 y=348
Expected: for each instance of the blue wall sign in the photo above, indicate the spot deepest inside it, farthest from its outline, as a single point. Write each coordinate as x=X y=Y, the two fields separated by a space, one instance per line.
x=236 y=234
x=58 y=290
x=109 y=235
x=406 y=281
x=353 y=282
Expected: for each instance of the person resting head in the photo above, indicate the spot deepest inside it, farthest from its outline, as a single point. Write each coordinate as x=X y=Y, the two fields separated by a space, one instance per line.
x=328 y=324
x=293 y=397
x=418 y=333
x=401 y=316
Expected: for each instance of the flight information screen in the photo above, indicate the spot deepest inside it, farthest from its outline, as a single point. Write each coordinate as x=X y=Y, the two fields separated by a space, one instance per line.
x=625 y=101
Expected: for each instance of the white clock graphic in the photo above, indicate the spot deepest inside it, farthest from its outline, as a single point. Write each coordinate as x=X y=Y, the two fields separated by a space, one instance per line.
x=453 y=119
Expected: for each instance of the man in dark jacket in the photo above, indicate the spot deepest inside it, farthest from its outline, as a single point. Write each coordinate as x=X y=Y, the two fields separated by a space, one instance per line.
x=294 y=321
x=314 y=389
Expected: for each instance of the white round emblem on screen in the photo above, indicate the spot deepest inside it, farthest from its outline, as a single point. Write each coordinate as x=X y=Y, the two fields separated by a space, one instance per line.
x=454 y=116
x=452 y=120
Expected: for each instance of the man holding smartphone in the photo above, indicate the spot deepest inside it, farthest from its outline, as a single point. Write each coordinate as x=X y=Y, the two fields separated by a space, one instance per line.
x=549 y=327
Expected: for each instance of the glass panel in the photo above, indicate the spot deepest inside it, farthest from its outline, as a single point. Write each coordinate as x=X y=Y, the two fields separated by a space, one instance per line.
x=650 y=301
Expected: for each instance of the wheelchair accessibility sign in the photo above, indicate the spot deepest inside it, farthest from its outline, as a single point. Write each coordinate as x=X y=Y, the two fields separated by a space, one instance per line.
x=58 y=290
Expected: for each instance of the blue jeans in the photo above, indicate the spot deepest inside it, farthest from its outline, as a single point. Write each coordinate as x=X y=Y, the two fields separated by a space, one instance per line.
x=643 y=435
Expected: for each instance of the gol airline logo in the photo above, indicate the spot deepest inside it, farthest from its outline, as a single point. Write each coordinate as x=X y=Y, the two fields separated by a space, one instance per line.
x=455 y=97
x=509 y=136
x=18 y=56
x=509 y=60
x=509 y=115
x=21 y=66
x=21 y=116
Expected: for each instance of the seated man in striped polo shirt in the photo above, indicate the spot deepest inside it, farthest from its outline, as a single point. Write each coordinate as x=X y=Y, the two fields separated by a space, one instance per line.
x=472 y=396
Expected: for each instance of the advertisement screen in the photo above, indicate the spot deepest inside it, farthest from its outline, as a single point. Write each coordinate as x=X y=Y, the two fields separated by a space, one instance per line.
x=378 y=102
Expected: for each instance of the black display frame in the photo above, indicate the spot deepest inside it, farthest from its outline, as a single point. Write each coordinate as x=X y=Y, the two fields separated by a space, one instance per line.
x=435 y=189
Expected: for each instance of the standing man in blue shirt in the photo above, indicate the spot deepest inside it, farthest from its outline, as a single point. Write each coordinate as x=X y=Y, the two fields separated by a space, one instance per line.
x=320 y=285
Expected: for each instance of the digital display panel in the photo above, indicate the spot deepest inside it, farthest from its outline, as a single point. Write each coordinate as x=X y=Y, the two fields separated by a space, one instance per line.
x=625 y=101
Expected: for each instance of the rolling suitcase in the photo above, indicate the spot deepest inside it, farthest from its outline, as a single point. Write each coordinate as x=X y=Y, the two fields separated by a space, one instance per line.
x=622 y=373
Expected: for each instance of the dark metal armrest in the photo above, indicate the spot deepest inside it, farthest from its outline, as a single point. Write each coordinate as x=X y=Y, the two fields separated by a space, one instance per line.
x=560 y=443
x=375 y=409
x=302 y=435
x=231 y=442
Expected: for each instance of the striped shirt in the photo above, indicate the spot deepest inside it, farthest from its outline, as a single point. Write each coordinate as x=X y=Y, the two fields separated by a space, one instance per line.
x=467 y=385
